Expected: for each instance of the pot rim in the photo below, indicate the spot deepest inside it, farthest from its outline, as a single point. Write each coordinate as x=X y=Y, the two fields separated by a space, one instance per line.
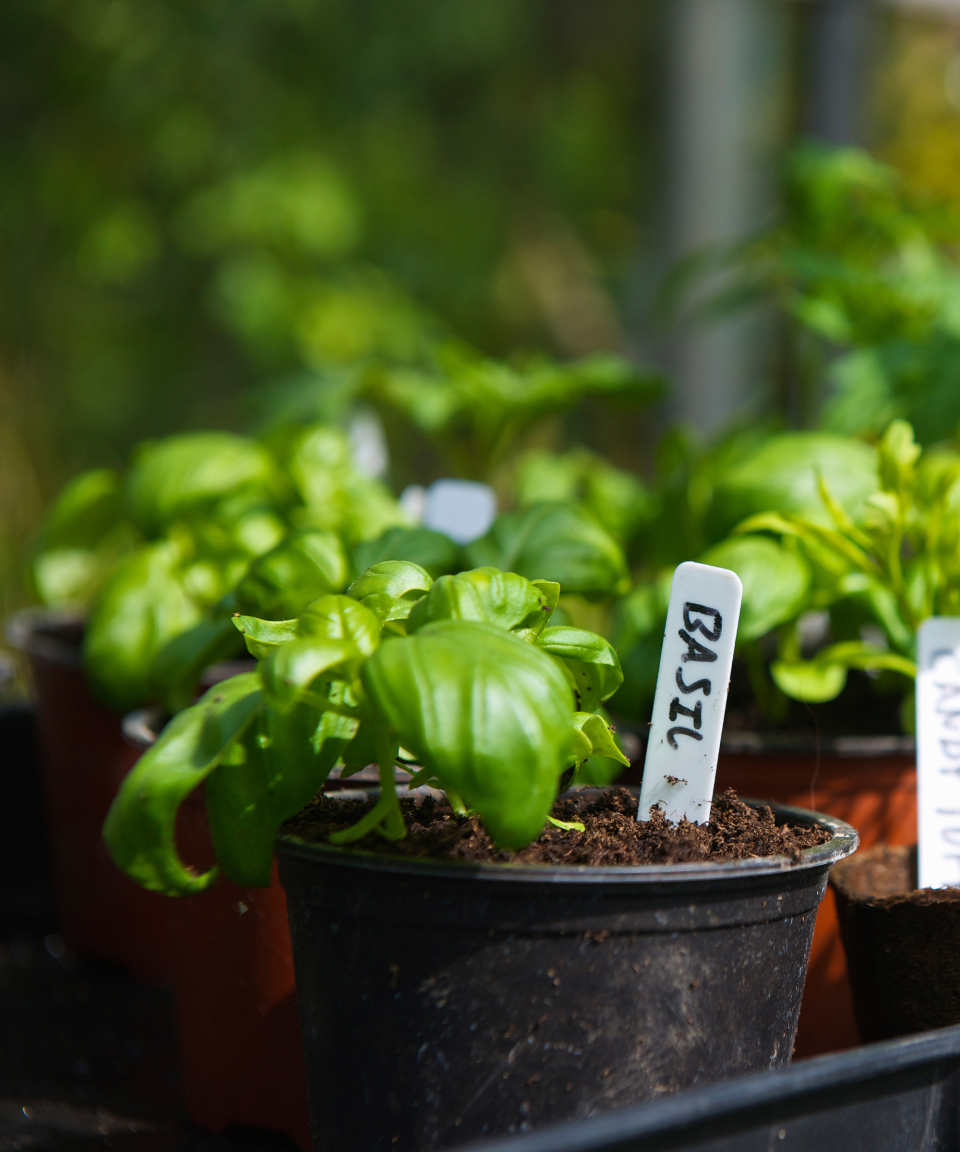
x=23 y=634
x=843 y=843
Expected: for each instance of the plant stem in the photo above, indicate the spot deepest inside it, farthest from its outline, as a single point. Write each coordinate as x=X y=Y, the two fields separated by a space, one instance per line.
x=456 y=802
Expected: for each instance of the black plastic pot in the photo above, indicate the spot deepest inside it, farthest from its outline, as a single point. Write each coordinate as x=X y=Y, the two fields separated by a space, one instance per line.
x=899 y=1096
x=440 y=1003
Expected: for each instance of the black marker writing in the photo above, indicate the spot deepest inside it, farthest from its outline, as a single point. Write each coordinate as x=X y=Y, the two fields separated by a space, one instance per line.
x=672 y=733
x=703 y=685
x=698 y=625
x=696 y=650
x=694 y=713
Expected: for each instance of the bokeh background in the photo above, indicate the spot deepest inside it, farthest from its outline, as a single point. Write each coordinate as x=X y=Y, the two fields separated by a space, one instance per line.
x=211 y=211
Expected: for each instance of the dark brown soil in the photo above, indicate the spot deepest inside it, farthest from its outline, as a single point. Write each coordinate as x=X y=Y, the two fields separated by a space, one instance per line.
x=888 y=876
x=612 y=836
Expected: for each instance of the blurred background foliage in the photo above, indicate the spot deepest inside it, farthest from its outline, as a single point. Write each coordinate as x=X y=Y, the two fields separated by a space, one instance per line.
x=209 y=210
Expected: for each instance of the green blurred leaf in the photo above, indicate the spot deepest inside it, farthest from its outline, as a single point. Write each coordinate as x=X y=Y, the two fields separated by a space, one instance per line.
x=776 y=582
x=554 y=542
x=432 y=551
x=180 y=663
x=302 y=567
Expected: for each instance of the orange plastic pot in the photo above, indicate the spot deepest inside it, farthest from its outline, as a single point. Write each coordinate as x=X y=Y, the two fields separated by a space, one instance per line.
x=871 y=783
x=236 y=1002
x=83 y=759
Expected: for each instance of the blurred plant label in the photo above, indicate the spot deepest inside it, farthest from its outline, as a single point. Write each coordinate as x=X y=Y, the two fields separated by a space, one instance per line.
x=691 y=697
x=938 y=752
x=461 y=509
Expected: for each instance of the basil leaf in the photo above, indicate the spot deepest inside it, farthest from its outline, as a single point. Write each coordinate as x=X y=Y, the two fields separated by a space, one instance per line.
x=263 y=636
x=783 y=474
x=289 y=670
x=341 y=618
x=182 y=660
x=556 y=542
x=432 y=551
x=139 y=830
x=814 y=681
x=140 y=608
x=592 y=661
x=391 y=588
x=488 y=713
x=268 y=777
x=776 y=581
x=502 y=599
x=594 y=737
x=281 y=583
x=186 y=474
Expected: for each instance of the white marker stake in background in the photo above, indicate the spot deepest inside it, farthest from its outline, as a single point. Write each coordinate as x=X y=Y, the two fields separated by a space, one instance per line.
x=938 y=752
x=691 y=696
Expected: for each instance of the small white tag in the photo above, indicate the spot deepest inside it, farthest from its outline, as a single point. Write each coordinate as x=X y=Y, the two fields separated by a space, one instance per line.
x=691 y=697
x=938 y=752
x=463 y=509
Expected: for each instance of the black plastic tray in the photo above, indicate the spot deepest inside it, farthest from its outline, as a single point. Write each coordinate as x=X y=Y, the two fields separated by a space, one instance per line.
x=898 y=1096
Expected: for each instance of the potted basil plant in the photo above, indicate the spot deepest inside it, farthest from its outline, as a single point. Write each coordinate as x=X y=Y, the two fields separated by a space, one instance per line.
x=469 y=999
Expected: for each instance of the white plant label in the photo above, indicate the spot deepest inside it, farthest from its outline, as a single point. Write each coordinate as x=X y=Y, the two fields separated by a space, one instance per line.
x=938 y=752
x=691 y=697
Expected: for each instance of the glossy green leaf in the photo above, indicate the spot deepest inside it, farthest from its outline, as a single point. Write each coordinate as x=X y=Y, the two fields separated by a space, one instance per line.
x=557 y=542
x=268 y=777
x=341 y=618
x=489 y=714
x=592 y=661
x=594 y=737
x=503 y=599
x=180 y=475
x=776 y=581
x=139 y=830
x=263 y=636
x=432 y=551
x=140 y=608
x=303 y=566
x=391 y=588
x=290 y=670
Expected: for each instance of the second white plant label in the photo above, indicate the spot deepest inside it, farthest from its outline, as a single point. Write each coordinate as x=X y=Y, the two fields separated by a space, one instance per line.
x=691 y=696
x=938 y=752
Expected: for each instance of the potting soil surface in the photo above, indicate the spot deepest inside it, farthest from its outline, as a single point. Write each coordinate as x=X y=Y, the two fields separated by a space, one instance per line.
x=611 y=836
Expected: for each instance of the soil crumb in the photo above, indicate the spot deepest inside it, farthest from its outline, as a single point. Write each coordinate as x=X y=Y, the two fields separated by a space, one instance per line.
x=612 y=835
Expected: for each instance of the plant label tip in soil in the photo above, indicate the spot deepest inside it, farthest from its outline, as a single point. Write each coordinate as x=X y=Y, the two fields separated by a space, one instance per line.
x=691 y=695
x=938 y=752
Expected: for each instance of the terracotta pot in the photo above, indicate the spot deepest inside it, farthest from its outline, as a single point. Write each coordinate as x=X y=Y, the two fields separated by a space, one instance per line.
x=84 y=757
x=234 y=991
x=870 y=782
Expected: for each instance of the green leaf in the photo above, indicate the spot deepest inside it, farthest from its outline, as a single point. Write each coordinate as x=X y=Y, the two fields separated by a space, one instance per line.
x=303 y=566
x=489 y=714
x=783 y=475
x=556 y=542
x=181 y=661
x=263 y=636
x=814 y=681
x=139 y=830
x=432 y=551
x=567 y=825
x=182 y=475
x=290 y=670
x=341 y=618
x=592 y=661
x=593 y=736
x=776 y=581
x=502 y=599
x=140 y=608
x=391 y=588
x=272 y=773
